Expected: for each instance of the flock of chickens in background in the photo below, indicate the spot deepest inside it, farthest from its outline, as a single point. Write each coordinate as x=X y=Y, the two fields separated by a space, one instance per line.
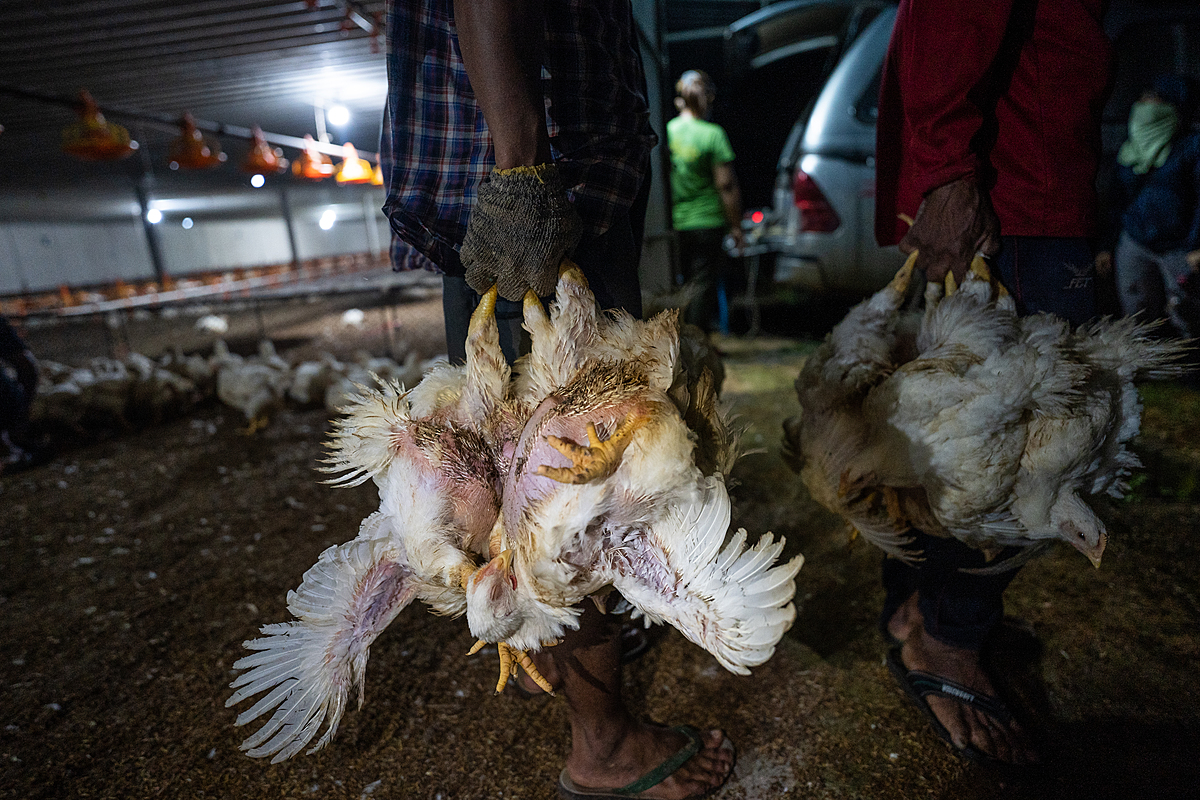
x=116 y=393
x=599 y=462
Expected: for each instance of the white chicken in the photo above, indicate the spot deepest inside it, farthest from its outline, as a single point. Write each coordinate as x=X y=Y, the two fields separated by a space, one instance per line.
x=475 y=465
x=255 y=386
x=985 y=426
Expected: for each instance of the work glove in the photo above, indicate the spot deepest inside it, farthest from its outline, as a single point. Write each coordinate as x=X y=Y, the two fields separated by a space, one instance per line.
x=519 y=230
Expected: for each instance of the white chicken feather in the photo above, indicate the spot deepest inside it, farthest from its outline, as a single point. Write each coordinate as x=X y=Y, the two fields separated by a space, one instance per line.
x=987 y=427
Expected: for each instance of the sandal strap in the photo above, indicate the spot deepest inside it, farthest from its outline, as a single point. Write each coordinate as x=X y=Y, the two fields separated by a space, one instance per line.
x=926 y=684
x=667 y=768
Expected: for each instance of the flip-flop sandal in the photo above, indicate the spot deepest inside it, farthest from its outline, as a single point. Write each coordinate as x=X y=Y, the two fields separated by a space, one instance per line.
x=569 y=790
x=918 y=685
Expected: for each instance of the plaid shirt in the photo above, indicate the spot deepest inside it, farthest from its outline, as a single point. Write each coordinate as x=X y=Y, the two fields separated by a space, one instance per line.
x=435 y=148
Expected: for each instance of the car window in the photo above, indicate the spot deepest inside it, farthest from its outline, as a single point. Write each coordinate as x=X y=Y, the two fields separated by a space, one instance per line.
x=866 y=110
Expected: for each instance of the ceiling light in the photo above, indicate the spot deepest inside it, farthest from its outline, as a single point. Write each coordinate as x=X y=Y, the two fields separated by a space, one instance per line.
x=327 y=219
x=257 y=181
x=154 y=216
x=338 y=115
x=187 y=223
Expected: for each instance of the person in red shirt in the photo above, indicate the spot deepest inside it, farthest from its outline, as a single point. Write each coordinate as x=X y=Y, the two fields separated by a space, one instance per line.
x=988 y=141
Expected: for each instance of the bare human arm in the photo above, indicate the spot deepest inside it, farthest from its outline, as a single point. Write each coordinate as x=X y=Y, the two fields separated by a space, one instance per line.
x=726 y=182
x=522 y=223
x=501 y=46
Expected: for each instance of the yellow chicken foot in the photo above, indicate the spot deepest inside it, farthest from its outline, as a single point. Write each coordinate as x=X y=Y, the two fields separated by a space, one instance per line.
x=951 y=283
x=980 y=269
x=483 y=312
x=599 y=459
x=255 y=425
x=510 y=659
x=903 y=278
x=571 y=269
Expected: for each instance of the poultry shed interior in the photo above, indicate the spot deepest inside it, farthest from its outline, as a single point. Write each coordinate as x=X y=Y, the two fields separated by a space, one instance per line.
x=200 y=332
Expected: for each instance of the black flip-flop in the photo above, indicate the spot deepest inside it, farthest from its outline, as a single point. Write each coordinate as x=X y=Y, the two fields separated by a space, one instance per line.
x=919 y=685
x=569 y=790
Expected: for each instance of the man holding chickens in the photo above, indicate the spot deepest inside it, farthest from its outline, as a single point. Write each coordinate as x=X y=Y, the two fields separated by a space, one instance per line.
x=988 y=141
x=504 y=151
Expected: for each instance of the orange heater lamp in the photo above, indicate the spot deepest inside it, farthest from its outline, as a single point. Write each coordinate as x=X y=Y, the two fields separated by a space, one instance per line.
x=93 y=138
x=354 y=169
x=312 y=164
x=263 y=158
x=192 y=149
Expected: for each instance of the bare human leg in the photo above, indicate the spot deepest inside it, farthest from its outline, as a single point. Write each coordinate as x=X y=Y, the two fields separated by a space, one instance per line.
x=609 y=748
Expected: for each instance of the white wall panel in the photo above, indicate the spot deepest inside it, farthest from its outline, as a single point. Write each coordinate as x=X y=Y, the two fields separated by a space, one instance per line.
x=223 y=244
x=47 y=255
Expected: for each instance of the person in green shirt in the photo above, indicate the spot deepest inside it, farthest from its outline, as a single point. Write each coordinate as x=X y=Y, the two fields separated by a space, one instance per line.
x=706 y=201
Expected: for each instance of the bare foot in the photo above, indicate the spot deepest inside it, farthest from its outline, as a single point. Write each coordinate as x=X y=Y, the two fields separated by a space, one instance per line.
x=966 y=724
x=906 y=616
x=642 y=748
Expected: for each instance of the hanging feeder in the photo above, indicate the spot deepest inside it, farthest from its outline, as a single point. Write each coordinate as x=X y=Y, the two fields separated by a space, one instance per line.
x=377 y=175
x=192 y=149
x=262 y=158
x=353 y=168
x=312 y=164
x=93 y=138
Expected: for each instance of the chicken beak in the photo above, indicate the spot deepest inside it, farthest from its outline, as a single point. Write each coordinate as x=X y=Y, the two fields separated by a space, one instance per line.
x=501 y=564
x=505 y=560
x=1092 y=551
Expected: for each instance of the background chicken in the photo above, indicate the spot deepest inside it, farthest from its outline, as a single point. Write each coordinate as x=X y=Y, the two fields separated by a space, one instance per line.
x=978 y=424
x=256 y=386
x=471 y=468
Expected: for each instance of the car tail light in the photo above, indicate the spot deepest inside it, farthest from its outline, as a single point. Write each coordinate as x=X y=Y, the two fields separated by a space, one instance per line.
x=816 y=215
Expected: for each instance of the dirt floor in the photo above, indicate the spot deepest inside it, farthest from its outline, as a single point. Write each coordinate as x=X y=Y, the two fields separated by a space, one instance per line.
x=134 y=563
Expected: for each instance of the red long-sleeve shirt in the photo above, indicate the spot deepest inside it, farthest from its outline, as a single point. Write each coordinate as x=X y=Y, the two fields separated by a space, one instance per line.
x=1007 y=91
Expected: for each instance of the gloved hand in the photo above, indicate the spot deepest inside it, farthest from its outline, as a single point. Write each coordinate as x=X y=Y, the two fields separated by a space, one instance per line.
x=519 y=230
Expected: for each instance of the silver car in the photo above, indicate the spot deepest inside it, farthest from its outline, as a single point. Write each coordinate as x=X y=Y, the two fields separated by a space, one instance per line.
x=821 y=228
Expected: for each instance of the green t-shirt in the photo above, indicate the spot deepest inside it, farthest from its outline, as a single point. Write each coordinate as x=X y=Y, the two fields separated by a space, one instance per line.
x=696 y=146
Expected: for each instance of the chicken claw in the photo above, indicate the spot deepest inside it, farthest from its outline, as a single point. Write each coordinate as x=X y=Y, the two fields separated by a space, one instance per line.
x=483 y=312
x=903 y=277
x=599 y=459
x=255 y=425
x=510 y=658
x=951 y=283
